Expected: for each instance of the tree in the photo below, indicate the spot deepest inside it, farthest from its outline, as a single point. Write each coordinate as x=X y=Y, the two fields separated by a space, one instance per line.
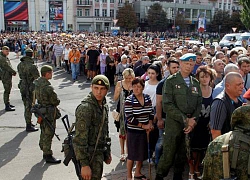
x=244 y=15
x=221 y=21
x=235 y=21
x=127 y=18
x=180 y=21
x=157 y=18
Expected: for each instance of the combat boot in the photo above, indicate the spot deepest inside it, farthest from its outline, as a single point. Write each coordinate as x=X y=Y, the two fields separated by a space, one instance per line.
x=12 y=106
x=9 y=108
x=50 y=159
x=177 y=176
x=30 y=128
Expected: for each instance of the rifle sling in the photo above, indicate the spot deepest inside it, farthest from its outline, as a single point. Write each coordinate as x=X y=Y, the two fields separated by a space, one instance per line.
x=99 y=134
x=225 y=156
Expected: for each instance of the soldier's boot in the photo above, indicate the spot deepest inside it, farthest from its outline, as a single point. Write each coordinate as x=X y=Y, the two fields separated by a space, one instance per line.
x=50 y=159
x=158 y=177
x=177 y=176
x=12 y=106
x=30 y=128
x=8 y=108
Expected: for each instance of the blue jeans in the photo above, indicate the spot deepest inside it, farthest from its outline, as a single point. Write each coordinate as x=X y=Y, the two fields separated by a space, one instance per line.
x=159 y=146
x=75 y=70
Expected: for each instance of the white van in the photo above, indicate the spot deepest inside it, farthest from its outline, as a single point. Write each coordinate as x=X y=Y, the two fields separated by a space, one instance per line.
x=244 y=36
x=229 y=40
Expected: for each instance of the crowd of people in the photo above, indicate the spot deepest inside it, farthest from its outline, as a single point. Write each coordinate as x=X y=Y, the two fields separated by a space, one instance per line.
x=172 y=97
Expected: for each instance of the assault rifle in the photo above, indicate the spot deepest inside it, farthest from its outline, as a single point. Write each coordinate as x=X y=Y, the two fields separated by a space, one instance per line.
x=36 y=110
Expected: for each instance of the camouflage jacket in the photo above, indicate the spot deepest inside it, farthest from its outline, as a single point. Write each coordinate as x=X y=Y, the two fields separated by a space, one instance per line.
x=89 y=117
x=213 y=161
x=179 y=99
x=45 y=94
x=28 y=72
x=6 y=70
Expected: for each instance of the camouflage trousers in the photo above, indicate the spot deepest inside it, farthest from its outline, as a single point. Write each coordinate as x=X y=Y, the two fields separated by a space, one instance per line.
x=97 y=165
x=46 y=136
x=7 y=85
x=27 y=102
x=174 y=149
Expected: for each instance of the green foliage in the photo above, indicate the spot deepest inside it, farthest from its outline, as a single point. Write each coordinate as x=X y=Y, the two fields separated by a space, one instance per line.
x=245 y=15
x=226 y=21
x=127 y=18
x=157 y=18
x=180 y=21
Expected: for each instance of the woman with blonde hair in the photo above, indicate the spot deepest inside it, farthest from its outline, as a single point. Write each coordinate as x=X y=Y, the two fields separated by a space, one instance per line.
x=122 y=90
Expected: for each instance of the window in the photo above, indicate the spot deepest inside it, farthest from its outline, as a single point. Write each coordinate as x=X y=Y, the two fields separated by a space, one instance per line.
x=87 y=12
x=195 y=13
x=184 y=1
x=187 y=13
x=112 y=12
x=96 y=0
x=104 y=12
x=104 y=1
x=79 y=12
x=208 y=14
x=120 y=2
x=229 y=6
x=112 y=1
x=219 y=5
x=97 y=12
x=79 y=2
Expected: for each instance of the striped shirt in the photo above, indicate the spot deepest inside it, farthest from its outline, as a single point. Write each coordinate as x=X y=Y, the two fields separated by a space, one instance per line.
x=58 y=50
x=136 y=113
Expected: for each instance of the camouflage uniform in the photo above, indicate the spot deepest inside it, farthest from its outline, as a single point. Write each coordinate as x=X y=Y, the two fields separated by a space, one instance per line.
x=6 y=73
x=213 y=161
x=47 y=98
x=179 y=101
x=89 y=117
x=28 y=72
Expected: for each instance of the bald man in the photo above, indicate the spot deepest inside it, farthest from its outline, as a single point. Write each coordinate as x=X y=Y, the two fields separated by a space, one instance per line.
x=225 y=103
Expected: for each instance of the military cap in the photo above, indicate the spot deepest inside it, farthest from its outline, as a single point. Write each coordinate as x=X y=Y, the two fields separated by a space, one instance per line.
x=188 y=57
x=241 y=118
x=247 y=95
x=28 y=50
x=46 y=68
x=5 y=48
x=101 y=80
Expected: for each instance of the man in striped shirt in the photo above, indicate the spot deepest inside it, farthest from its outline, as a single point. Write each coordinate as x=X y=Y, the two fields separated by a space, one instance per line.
x=58 y=51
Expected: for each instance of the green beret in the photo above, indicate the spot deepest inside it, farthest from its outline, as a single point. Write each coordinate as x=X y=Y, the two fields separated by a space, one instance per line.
x=101 y=80
x=46 y=68
x=5 y=48
x=188 y=57
x=28 y=50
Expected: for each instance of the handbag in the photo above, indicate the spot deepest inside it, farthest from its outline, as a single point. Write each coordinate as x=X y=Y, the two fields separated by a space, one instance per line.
x=115 y=115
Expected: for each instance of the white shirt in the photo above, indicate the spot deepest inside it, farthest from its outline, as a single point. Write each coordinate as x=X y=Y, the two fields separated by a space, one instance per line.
x=66 y=53
x=151 y=91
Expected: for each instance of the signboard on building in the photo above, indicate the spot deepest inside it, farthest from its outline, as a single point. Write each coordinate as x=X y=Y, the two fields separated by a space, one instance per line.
x=56 y=10
x=16 y=11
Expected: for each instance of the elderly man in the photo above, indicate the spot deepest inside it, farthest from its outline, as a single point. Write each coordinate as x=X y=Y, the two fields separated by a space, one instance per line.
x=225 y=103
x=218 y=66
x=58 y=52
x=140 y=70
x=182 y=104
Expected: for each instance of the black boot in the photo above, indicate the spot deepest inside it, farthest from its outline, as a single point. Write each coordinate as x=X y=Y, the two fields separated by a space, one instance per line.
x=177 y=176
x=8 y=108
x=30 y=128
x=50 y=159
x=12 y=106
x=158 y=177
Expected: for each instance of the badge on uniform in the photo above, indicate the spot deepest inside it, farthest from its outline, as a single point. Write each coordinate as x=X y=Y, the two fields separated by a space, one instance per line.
x=177 y=87
x=194 y=90
x=99 y=82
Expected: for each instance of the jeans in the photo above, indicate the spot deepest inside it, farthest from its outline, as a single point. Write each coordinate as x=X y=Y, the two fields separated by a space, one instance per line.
x=159 y=146
x=75 y=70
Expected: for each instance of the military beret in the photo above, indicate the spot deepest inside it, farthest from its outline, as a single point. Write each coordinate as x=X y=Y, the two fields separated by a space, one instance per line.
x=46 y=68
x=188 y=57
x=29 y=50
x=5 y=48
x=101 y=80
x=247 y=95
x=241 y=118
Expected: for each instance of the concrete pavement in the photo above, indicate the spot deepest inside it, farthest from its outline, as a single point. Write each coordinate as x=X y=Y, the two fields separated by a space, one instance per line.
x=20 y=156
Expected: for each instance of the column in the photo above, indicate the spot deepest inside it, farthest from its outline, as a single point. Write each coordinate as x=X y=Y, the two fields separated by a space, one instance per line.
x=108 y=8
x=100 y=9
x=32 y=16
x=65 y=12
x=2 y=26
x=47 y=14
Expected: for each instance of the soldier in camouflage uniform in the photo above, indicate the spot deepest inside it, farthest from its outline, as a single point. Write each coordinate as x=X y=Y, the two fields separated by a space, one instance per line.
x=182 y=100
x=91 y=115
x=28 y=72
x=6 y=73
x=48 y=100
x=239 y=145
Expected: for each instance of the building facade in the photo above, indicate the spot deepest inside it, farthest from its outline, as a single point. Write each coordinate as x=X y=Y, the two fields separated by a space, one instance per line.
x=96 y=15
